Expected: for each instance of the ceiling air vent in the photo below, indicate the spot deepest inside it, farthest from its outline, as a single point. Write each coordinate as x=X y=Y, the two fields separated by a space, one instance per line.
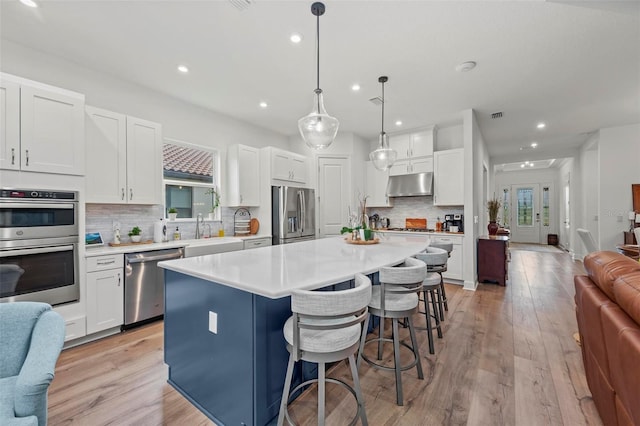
x=240 y=4
x=496 y=115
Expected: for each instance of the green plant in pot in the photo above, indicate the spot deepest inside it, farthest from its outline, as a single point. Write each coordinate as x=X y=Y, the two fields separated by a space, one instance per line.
x=172 y=213
x=135 y=234
x=493 y=207
x=215 y=201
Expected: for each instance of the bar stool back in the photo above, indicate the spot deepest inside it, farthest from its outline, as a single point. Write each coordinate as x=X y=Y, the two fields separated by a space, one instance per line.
x=395 y=298
x=436 y=257
x=326 y=327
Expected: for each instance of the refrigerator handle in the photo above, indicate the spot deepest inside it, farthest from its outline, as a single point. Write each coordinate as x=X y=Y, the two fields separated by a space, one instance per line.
x=303 y=208
x=299 y=211
x=283 y=210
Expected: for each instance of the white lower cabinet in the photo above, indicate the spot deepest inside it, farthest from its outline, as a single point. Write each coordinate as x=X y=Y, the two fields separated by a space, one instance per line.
x=454 y=264
x=257 y=242
x=105 y=292
x=75 y=328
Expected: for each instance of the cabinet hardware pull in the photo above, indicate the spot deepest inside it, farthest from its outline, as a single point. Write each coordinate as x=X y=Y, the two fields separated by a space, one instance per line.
x=119 y=279
x=26 y=151
x=130 y=194
x=13 y=156
x=122 y=193
x=107 y=263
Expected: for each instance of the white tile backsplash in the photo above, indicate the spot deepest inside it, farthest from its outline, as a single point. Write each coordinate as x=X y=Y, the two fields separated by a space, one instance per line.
x=414 y=207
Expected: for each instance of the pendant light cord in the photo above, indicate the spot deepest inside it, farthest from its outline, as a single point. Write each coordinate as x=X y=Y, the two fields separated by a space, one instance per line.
x=382 y=108
x=318 y=52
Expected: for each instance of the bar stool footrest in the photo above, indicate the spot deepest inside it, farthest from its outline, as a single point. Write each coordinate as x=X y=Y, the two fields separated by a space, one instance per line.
x=384 y=367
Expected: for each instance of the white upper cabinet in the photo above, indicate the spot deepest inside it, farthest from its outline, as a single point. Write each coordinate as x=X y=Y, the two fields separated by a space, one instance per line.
x=288 y=166
x=123 y=159
x=412 y=165
x=42 y=127
x=449 y=177
x=412 y=145
x=243 y=176
x=376 y=187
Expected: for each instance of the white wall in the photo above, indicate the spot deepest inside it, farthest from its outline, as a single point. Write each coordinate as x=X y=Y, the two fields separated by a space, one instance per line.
x=587 y=215
x=619 y=164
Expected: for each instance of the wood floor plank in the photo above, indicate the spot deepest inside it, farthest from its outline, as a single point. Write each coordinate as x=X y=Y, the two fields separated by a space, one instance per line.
x=508 y=357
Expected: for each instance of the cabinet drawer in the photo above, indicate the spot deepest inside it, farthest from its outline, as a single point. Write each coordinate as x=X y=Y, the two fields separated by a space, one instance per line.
x=261 y=242
x=75 y=328
x=452 y=240
x=101 y=263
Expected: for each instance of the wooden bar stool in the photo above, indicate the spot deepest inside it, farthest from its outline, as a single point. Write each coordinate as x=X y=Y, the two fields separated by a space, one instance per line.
x=396 y=298
x=326 y=327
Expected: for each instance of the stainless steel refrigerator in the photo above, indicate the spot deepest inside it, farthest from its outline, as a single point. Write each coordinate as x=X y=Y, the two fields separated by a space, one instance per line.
x=293 y=214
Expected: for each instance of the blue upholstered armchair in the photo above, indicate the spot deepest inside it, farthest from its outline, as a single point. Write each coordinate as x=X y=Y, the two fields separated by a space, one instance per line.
x=31 y=337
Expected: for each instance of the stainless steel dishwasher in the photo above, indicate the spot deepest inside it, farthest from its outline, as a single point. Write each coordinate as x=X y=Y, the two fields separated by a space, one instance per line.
x=144 y=284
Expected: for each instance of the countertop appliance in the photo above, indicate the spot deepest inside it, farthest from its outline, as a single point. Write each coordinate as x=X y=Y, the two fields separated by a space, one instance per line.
x=454 y=220
x=292 y=214
x=39 y=246
x=144 y=284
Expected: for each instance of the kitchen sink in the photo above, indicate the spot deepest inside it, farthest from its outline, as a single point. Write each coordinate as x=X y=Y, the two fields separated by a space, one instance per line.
x=213 y=245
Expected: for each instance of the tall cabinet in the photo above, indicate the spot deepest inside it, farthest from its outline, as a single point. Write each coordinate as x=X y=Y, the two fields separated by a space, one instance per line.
x=243 y=176
x=449 y=177
x=42 y=127
x=124 y=159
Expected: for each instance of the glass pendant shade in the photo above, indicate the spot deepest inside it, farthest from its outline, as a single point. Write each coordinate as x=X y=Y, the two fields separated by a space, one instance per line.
x=383 y=157
x=318 y=129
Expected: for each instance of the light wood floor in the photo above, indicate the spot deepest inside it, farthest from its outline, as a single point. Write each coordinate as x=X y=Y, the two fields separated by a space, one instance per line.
x=508 y=357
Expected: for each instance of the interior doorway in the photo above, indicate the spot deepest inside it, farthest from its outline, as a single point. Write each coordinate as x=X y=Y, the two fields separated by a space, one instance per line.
x=530 y=212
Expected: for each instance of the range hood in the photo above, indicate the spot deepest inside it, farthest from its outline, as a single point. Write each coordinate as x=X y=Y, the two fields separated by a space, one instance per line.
x=410 y=185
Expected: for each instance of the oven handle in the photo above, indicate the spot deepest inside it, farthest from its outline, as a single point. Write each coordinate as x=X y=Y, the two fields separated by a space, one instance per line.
x=8 y=205
x=39 y=250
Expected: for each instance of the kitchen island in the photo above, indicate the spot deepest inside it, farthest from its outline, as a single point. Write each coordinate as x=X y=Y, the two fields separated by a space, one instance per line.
x=224 y=315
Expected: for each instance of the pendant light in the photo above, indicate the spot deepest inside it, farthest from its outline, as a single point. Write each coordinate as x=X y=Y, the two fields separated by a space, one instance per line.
x=383 y=157
x=318 y=129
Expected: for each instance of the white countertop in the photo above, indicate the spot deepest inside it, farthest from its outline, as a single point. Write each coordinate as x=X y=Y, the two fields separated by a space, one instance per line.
x=431 y=233
x=106 y=249
x=275 y=271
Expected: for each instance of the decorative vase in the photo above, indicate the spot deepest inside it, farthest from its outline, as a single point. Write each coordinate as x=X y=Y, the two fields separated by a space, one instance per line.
x=492 y=228
x=212 y=216
x=136 y=238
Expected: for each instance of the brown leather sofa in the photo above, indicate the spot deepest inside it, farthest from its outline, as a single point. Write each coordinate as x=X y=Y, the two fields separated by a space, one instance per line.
x=608 y=313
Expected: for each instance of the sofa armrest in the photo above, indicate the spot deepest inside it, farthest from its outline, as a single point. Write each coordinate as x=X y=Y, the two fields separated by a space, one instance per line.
x=39 y=367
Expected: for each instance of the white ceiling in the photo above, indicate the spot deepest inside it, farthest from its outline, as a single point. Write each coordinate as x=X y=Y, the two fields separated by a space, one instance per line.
x=574 y=65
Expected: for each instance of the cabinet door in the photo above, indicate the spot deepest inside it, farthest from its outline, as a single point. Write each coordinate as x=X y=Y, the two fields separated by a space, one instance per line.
x=52 y=131
x=454 y=264
x=402 y=167
x=106 y=159
x=298 y=166
x=402 y=145
x=144 y=165
x=280 y=165
x=105 y=300
x=422 y=143
x=449 y=177
x=421 y=165
x=376 y=185
x=9 y=125
x=243 y=167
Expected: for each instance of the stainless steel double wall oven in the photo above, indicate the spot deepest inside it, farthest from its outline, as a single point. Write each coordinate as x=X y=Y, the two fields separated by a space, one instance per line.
x=39 y=246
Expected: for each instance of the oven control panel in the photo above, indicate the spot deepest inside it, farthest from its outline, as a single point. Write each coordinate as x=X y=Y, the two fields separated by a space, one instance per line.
x=31 y=194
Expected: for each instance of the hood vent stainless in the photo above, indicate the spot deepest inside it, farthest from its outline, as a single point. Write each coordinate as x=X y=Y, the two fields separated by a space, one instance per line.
x=410 y=185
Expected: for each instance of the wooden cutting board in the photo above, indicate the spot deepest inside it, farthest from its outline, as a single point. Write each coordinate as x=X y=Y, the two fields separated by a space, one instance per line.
x=414 y=223
x=254 y=225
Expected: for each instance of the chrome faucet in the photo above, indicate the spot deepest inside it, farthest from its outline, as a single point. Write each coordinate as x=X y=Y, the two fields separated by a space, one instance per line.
x=199 y=221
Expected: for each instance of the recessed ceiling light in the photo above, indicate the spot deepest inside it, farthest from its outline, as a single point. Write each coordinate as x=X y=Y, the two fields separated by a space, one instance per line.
x=521 y=165
x=541 y=125
x=263 y=104
x=183 y=69
x=530 y=164
x=398 y=123
x=534 y=144
x=29 y=3
x=355 y=87
x=295 y=38
x=526 y=162
x=466 y=66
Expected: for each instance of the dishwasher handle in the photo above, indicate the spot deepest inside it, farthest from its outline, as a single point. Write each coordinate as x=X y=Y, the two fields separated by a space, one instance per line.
x=155 y=258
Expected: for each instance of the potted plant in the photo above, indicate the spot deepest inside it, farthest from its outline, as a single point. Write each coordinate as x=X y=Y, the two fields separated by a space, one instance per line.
x=215 y=202
x=135 y=234
x=493 y=207
x=172 y=213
